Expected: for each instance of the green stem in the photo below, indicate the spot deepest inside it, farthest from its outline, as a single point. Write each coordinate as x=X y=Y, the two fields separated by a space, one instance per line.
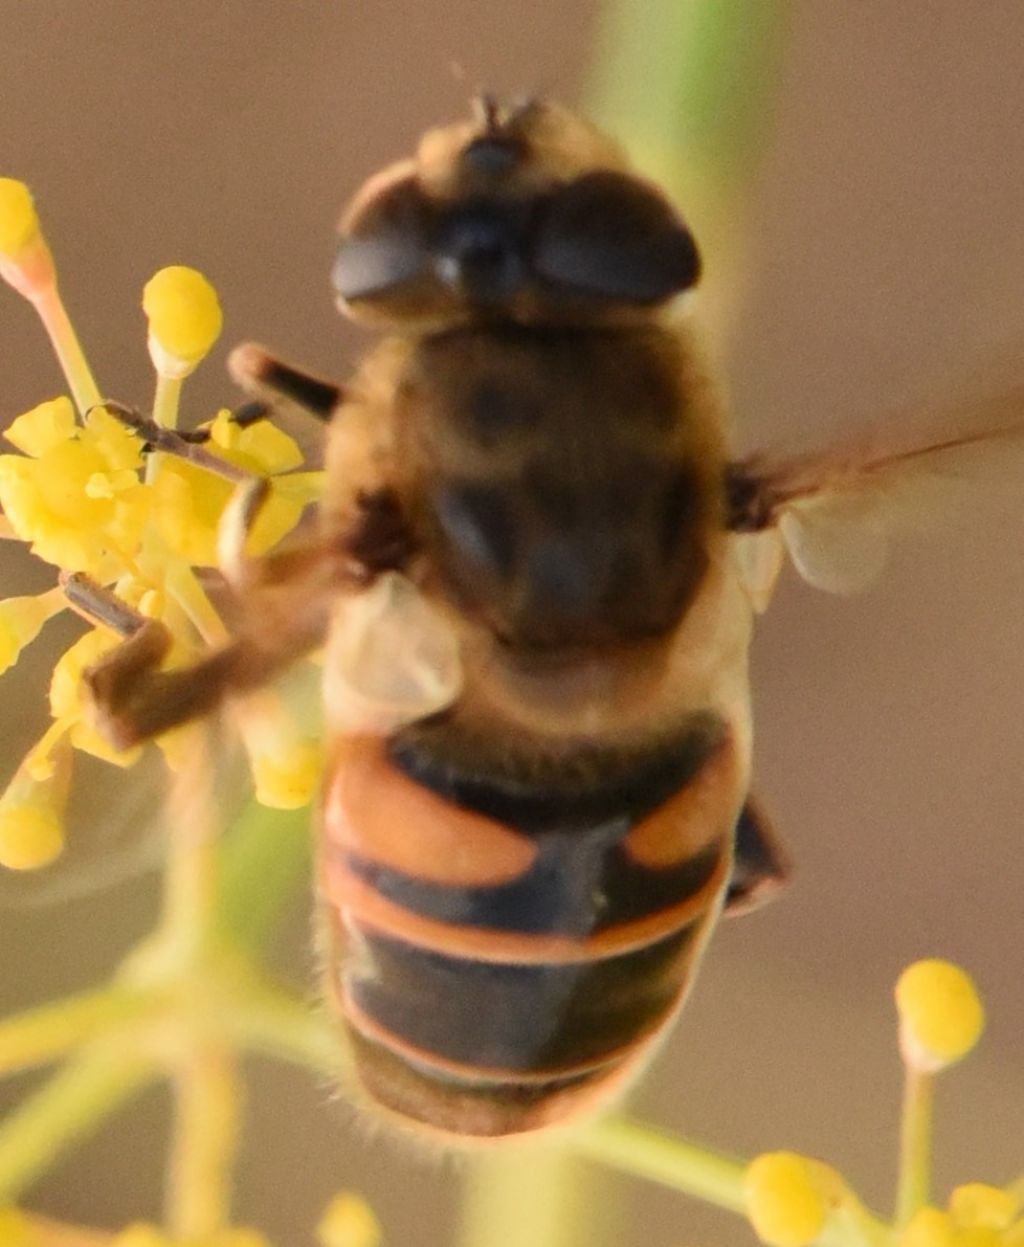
x=190 y=881
x=538 y=1196
x=914 y=1178
x=70 y=1105
x=662 y=1158
x=282 y=1025
x=43 y=1034
x=166 y=400
x=208 y=1098
x=67 y=348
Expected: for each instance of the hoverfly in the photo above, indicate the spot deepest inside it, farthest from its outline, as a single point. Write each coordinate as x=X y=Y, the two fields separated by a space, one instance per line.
x=536 y=569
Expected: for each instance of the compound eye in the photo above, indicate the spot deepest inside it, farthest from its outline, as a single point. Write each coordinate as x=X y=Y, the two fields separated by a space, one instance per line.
x=612 y=236
x=385 y=246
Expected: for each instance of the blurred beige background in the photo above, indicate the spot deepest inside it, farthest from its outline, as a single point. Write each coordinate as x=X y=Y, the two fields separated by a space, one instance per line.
x=887 y=260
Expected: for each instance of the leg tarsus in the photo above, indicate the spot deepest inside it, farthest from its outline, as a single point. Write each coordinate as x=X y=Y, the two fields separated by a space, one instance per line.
x=257 y=371
x=236 y=523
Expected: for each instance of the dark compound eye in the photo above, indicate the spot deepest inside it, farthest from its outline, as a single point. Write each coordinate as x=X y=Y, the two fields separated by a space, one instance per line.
x=385 y=246
x=612 y=236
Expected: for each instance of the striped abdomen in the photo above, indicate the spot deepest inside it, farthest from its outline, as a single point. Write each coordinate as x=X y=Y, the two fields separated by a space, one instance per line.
x=506 y=955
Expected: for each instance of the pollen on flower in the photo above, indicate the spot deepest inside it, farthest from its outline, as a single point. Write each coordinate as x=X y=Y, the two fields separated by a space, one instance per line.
x=184 y=318
x=941 y=1014
x=189 y=500
x=348 y=1221
x=788 y=1198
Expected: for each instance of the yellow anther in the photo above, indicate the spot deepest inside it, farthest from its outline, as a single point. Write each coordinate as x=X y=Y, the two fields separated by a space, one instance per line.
x=184 y=319
x=348 y=1221
x=941 y=1014
x=25 y=260
x=32 y=815
x=789 y=1198
x=286 y=766
x=19 y=224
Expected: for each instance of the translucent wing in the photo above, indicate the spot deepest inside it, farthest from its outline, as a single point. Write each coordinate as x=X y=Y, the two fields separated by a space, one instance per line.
x=117 y=823
x=834 y=513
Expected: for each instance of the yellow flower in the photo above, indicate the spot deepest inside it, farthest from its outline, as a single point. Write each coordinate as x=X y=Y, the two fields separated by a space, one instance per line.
x=978 y=1215
x=75 y=492
x=190 y=500
x=941 y=1014
x=71 y=709
x=184 y=319
x=978 y=1205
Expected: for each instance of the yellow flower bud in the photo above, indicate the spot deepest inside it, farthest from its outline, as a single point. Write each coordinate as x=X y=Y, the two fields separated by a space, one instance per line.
x=789 y=1197
x=184 y=319
x=941 y=1015
x=348 y=1221
x=975 y=1204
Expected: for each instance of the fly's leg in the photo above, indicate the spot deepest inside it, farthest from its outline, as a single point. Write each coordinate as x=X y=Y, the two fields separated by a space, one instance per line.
x=236 y=523
x=258 y=372
x=285 y=617
x=146 y=642
x=188 y=446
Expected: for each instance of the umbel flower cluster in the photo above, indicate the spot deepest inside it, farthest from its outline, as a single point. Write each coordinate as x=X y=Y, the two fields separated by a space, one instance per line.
x=88 y=495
